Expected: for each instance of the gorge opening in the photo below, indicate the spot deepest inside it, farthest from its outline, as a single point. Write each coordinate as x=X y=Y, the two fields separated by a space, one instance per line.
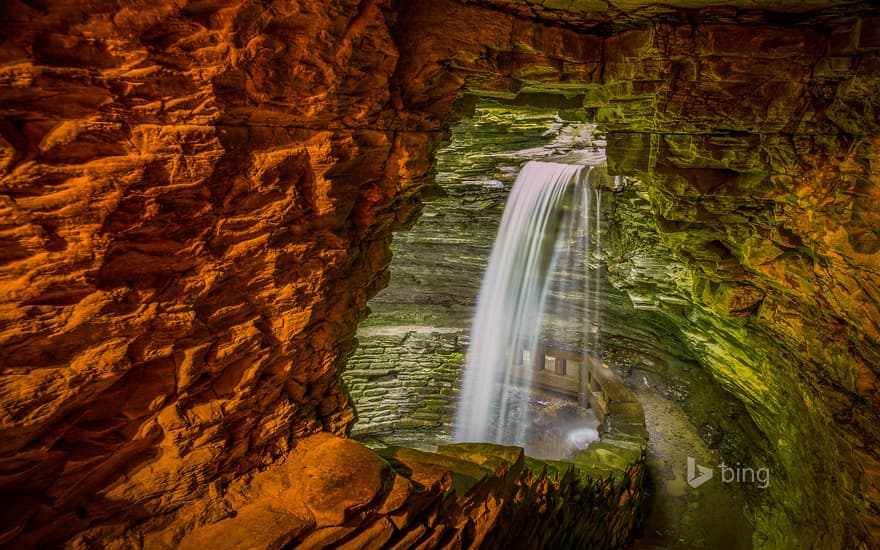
x=197 y=203
x=415 y=342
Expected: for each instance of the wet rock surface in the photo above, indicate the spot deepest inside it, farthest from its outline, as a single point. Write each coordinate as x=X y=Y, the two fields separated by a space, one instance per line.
x=335 y=493
x=404 y=377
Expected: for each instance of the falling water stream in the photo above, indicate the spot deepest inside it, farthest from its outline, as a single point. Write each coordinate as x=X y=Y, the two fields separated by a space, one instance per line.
x=535 y=289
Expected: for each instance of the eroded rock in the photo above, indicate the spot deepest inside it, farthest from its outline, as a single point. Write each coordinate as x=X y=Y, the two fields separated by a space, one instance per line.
x=197 y=202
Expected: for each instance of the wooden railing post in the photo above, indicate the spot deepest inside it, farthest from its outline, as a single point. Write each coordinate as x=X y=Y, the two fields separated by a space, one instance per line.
x=540 y=358
x=561 y=366
x=583 y=381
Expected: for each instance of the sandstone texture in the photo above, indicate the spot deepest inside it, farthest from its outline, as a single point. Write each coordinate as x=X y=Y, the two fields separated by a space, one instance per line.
x=191 y=226
x=332 y=492
x=198 y=197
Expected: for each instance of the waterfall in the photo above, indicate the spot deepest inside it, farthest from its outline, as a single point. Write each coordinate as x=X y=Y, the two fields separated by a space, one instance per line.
x=597 y=281
x=537 y=266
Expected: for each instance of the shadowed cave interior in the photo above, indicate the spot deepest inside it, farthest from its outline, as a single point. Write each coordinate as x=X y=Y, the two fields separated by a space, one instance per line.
x=201 y=202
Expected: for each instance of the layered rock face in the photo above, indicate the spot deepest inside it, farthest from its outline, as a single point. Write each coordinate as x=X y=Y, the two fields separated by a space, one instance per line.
x=745 y=133
x=198 y=199
x=192 y=222
x=410 y=348
x=335 y=493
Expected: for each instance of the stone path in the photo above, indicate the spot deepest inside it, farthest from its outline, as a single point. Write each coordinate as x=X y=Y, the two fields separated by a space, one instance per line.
x=708 y=517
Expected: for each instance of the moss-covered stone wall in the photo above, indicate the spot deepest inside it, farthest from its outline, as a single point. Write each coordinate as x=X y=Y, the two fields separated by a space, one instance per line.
x=404 y=377
x=404 y=383
x=756 y=138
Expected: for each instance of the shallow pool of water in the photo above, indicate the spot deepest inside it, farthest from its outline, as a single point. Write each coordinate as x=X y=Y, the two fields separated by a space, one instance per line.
x=556 y=426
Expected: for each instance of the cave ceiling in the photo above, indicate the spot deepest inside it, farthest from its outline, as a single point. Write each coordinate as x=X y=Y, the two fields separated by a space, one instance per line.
x=610 y=16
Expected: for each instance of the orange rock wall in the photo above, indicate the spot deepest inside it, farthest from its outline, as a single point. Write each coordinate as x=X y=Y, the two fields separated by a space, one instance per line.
x=191 y=222
x=335 y=493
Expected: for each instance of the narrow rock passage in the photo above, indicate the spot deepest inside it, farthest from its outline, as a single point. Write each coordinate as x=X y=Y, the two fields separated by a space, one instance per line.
x=710 y=516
